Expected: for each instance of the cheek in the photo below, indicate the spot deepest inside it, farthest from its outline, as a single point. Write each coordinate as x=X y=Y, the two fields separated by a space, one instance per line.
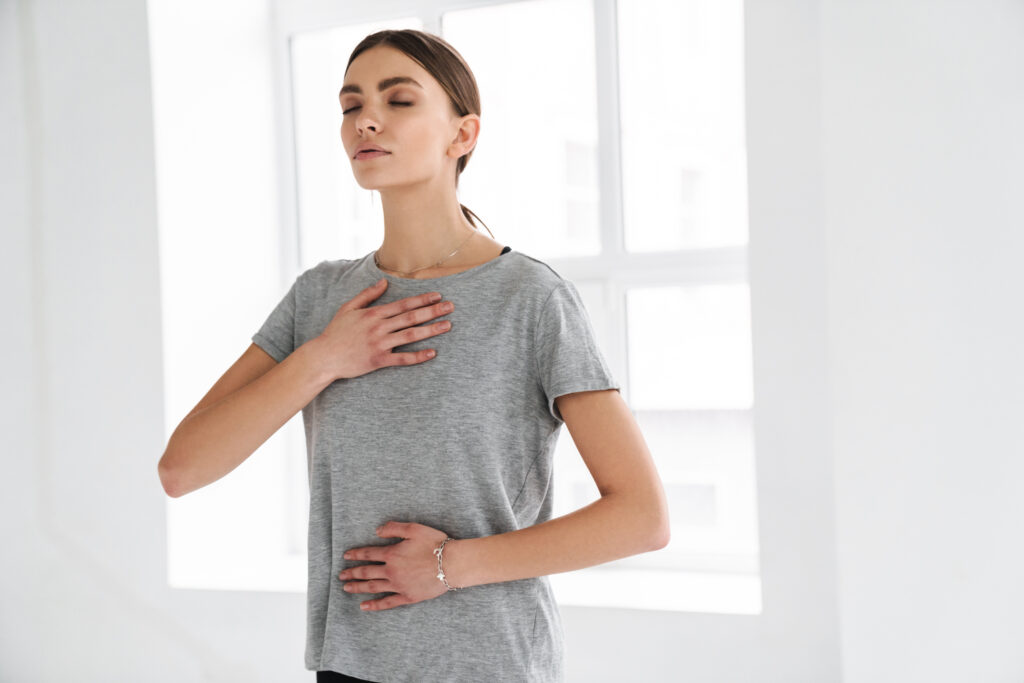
x=414 y=139
x=429 y=138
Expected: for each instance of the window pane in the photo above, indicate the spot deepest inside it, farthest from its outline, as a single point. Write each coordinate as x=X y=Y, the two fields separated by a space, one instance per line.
x=533 y=174
x=706 y=462
x=337 y=217
x=683 y=145
x=690 y=374
x=689 y=347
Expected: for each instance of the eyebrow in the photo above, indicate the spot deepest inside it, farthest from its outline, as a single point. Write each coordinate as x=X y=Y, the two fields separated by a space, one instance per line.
x=382 y=86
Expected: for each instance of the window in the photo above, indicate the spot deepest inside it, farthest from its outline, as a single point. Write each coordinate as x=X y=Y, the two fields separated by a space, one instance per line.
x=220 y=235
x=623 y=124
x=337 y=218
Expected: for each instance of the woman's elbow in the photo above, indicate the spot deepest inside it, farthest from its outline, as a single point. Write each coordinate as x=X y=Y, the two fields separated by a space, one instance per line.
x=168 y=475
x=166 y=480
x=660 y=534
x=648 y=508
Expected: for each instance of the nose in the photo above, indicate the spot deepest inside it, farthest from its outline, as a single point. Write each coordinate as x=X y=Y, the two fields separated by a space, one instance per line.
x=364 y=120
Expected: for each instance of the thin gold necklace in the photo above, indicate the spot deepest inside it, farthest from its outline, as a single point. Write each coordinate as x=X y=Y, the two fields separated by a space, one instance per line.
x=432 y=265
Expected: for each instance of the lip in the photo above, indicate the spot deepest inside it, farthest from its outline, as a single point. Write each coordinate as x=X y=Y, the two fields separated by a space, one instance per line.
x=370 y=154
x=368 y=147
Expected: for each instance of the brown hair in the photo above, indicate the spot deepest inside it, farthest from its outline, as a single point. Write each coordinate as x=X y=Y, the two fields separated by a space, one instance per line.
x=447 y=66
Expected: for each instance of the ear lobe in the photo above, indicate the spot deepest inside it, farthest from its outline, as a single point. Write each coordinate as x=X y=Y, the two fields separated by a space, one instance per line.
x=461 y=148
x=468 y=132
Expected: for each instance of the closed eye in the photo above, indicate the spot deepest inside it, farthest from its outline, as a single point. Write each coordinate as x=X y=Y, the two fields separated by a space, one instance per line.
x=402 y=104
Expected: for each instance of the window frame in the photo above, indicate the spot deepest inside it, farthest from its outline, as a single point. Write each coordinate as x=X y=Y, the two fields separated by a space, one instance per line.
x=614 y=270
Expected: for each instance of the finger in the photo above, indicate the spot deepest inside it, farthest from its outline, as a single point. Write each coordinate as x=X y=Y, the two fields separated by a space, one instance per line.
x=396 y=529
x=369 y=294
x=406 y=357
x=372 y=586
x=365 y=571
x=372 y=553
x=408 y=304
x=412 y=334
x=418 y=315
x=386 y=603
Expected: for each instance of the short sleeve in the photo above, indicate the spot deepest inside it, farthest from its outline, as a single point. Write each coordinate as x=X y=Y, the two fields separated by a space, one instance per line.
x=277 y=334
x=566 y=350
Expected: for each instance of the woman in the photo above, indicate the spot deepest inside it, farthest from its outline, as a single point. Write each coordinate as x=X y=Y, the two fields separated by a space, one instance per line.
x=430 y=444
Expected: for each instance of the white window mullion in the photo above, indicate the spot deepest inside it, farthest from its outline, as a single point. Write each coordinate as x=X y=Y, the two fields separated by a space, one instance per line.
x=610 y=184
x=608 y=127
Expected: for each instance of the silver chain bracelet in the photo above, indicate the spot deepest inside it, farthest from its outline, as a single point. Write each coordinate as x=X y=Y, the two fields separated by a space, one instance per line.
x=440 y=572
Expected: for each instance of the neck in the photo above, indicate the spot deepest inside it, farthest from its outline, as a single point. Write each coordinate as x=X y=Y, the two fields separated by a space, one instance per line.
x=422 y=225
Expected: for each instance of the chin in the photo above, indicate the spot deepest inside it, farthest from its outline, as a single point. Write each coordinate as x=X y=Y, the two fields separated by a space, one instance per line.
x=373 y=185
x=367 y=181
x=370 y=181
x=366 y=186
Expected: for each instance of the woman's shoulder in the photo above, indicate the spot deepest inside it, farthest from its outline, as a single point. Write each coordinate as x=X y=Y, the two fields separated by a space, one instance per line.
x=530 y=269
x=329 y=271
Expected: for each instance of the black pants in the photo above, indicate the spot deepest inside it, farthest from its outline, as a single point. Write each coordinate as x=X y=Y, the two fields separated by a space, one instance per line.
x=335 y=677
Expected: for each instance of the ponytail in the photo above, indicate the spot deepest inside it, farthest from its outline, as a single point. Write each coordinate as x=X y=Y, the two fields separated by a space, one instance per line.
x=470 y=216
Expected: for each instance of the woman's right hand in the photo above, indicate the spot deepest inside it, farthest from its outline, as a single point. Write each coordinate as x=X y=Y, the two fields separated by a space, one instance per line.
x=360 y=337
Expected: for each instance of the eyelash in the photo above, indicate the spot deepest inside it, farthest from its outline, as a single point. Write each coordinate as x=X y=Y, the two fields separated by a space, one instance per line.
x=404 y=104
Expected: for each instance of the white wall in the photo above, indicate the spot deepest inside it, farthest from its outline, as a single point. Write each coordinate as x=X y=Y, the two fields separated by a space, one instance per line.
x=885 y=160
x=923 y=108
x=83 y=588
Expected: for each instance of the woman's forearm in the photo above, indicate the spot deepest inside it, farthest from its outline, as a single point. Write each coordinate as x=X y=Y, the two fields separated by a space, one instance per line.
x=215 y=440
x=616 y=525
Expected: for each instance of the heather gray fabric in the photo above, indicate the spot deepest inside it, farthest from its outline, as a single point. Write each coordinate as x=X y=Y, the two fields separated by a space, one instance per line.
x=462 y=442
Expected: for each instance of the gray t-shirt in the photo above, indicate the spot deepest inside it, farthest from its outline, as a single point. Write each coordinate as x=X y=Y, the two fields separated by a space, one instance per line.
x=462 y=442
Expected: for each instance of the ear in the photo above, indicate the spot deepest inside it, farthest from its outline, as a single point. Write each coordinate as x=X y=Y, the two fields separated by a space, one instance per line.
x=465 y=137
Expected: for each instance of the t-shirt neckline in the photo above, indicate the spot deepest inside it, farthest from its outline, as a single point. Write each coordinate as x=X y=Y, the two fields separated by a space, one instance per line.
x=465 y=274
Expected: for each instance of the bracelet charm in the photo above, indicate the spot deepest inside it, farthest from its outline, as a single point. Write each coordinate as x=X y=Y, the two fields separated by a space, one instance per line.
x=440 y=572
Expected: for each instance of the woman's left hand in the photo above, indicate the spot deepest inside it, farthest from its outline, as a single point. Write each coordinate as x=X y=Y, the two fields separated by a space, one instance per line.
x=409 y=570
